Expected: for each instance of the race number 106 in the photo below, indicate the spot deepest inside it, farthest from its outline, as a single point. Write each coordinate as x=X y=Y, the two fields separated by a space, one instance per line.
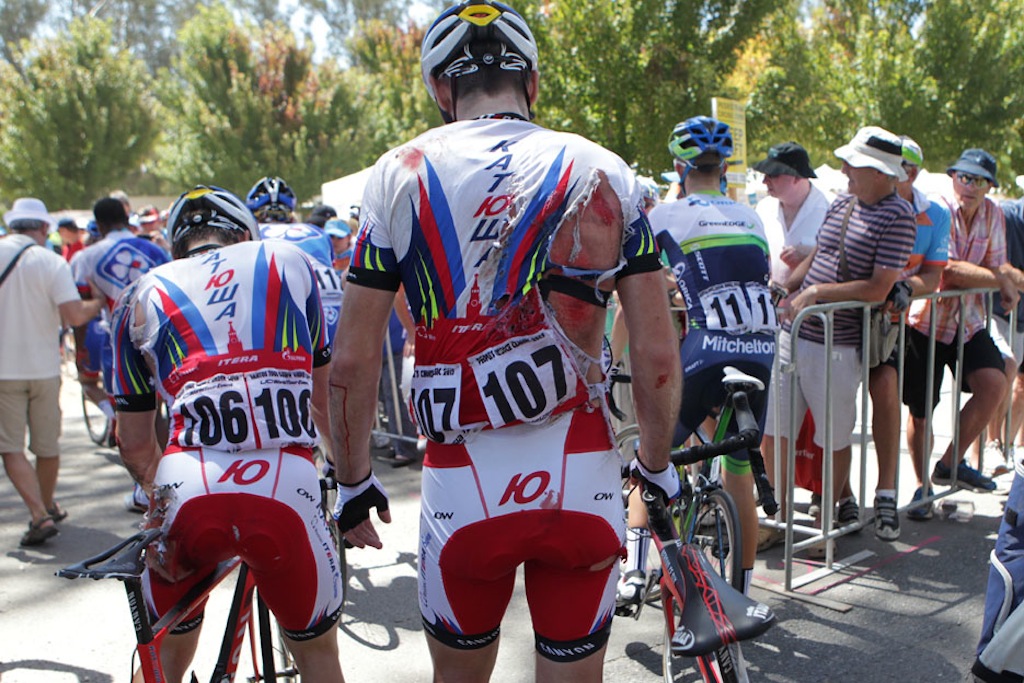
x=228 y=419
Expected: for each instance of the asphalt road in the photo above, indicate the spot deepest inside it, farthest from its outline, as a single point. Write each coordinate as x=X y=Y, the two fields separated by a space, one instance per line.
x=911 y=610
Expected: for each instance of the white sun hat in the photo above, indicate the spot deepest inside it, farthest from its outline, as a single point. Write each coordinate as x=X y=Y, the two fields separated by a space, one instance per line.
x=29 y=208
x=876 y=148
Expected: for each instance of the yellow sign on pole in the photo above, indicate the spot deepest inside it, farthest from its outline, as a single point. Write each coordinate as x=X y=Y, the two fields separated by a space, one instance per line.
x=733 y=113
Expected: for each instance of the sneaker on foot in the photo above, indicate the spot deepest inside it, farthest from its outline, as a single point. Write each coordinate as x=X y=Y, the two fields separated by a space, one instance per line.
x=631 y=589
x=814 y=509
x=848 y=512
x=887 y=519
x=923 y=511
x=966 y=477
x=769 y=537
x=136 y=501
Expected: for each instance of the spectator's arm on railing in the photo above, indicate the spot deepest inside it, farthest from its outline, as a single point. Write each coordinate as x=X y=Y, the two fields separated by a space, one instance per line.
x=872 y=290
x=926 y=280
x=964 y=275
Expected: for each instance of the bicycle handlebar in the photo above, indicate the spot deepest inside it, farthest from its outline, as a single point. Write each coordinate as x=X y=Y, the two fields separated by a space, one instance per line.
x=122 y=561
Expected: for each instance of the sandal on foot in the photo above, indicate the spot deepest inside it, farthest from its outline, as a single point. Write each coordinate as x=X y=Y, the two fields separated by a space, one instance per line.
x=57 y=513
x=37 y=533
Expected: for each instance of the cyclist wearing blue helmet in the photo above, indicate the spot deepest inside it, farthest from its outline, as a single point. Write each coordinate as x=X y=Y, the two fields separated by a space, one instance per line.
x=718 y=253
x=508 y=239
x=271 y=201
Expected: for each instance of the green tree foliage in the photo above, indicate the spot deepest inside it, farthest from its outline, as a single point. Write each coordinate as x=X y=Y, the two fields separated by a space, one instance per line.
x=18 y=21
x=394 y=102
x=77 y=119
x=243 y=103
x=623 y=72
x=946 y=73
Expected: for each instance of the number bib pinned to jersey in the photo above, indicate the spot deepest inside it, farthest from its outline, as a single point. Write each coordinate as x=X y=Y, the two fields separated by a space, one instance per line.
x=246 y=411
x=524 y=379
x=738 y=309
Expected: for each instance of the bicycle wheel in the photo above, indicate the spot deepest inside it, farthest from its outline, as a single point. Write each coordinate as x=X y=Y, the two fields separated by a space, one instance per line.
x=716 y=530
x=96 y=423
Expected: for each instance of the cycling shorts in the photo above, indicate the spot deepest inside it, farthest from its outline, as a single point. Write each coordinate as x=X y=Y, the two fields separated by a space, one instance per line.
x=262 y=506
x=547 y=497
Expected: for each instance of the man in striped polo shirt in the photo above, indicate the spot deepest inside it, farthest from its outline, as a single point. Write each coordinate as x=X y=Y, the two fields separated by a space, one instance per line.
x=977 y=258
x=861 y=250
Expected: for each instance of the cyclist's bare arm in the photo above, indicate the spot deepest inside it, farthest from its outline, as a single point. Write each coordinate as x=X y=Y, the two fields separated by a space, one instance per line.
x=321 y=406
x=137 y=442
x=654 y=364
x=355 y=371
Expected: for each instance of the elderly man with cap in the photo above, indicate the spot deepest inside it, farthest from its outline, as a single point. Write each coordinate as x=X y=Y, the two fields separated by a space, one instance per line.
x=36 y=292
x=794 y=208
x=862 y=248
x=977 y=258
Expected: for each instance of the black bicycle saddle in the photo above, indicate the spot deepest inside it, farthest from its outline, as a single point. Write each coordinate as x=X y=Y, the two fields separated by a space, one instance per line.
x=713 y=612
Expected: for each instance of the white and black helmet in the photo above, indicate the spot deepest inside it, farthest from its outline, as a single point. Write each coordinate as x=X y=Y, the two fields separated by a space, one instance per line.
x=446 y=45
x=209 y=206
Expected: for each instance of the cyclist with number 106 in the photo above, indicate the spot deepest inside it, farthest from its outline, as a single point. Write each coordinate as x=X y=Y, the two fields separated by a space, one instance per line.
x=719 y=255
x=232 y=335
x=508 y=238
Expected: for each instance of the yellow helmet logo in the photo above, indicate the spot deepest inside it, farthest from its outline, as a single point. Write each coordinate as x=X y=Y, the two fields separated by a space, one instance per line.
x=197 y=192
x=481 y=15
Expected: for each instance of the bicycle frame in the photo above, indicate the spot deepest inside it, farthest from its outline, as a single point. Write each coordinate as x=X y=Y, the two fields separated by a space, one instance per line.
x=124 y=562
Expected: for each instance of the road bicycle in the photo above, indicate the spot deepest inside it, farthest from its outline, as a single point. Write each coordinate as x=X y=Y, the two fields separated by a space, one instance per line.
x=707 y=563
x=271 y=659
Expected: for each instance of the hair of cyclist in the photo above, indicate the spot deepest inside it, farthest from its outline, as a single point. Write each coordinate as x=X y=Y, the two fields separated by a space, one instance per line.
x=110 y=214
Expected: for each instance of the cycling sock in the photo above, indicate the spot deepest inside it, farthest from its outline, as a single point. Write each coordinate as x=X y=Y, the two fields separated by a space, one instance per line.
x=886 y=493
x=748 y=576
x=638 y=542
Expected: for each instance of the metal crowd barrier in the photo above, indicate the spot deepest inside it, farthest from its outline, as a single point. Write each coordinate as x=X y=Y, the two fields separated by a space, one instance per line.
x=826 y=534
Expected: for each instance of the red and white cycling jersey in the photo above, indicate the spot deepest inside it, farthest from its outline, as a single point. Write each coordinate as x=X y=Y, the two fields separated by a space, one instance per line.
x=466 y=216
x=229 y=338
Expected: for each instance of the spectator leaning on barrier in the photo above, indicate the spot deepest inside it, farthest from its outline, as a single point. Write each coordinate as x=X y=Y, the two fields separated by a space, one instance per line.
x=921 y=276
x=1009 y=345
x=794 y=209
x=874 y=226
x=36 y=292
x=977 y=258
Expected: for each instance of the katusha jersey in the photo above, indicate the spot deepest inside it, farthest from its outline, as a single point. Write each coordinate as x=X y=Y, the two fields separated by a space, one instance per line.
x=469 y=217
x=719 y=255
x=115 y=262
x=317 y=246
x=229 y=338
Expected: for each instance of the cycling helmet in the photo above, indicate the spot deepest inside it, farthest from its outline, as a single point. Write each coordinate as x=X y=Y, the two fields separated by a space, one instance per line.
x=447 y=44
x=649 y=190
x=310 y=239
x=700 y=135
x=209 y=206
x=271 y=200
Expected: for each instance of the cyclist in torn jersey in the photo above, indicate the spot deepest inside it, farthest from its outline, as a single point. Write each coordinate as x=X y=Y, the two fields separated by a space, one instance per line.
x=508 y=239
x=232 y=335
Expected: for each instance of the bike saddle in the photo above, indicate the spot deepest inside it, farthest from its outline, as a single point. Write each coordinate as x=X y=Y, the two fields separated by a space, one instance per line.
x=734 y=380
x=123 y=561
x=713 y=612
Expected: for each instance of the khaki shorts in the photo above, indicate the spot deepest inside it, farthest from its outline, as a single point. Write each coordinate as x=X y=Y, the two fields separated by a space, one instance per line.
x=34 y=403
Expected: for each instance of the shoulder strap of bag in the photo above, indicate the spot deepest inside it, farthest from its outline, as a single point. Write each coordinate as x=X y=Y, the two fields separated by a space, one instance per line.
x=14 y=262
x=843 y=267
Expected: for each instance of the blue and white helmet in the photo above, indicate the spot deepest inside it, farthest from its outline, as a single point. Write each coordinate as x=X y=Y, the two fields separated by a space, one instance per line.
x=271 y=200
x=446 y=45
x=306 y=237
x=700 y=135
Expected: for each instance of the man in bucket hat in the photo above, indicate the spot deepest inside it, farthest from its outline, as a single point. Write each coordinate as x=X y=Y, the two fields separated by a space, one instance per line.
x=977 y=258
x=36 y=292
x=861 y=250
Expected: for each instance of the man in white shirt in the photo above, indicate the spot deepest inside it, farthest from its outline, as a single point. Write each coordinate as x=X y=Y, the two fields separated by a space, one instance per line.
x=36 y=291
x=793 y=210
